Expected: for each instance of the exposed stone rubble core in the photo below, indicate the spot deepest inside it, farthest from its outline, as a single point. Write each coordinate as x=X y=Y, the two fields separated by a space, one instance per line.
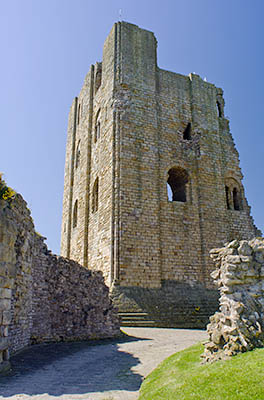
x=44 y=297
x=239 y=325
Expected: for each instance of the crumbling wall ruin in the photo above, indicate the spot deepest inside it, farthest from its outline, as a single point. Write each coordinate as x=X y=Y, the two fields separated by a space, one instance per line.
x=239 y=325
x=44 y=297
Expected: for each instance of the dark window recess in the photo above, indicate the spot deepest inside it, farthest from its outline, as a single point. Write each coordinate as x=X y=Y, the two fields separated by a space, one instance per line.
x=233 y=196
x=95 y=196
x=98 y=78
x=227 y=191
x=78 y=114
x=219 y=108
x=78 y=155
x=236 y=199
x=97 y=127
x=187 y=132
x=75 y=214
x=97 y=131
x=178 y=178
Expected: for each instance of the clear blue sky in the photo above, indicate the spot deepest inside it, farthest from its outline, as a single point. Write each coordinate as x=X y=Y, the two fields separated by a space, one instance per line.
x=47 y=47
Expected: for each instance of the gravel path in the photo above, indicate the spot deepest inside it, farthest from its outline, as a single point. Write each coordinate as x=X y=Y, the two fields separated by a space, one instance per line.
x=105 y=370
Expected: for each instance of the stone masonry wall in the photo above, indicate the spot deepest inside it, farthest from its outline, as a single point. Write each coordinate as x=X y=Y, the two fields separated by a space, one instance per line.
x=72 y=304
x=126 y=133
x=44 y=297
x=8 y=233
x=238 y=326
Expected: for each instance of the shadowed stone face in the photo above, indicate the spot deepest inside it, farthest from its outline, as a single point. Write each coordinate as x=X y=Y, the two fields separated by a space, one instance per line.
x=44 y=297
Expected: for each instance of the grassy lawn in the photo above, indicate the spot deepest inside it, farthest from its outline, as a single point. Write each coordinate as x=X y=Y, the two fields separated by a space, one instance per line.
x=181 y=377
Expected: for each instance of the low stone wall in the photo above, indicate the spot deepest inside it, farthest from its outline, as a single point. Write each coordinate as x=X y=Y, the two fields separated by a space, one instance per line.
x=8 y=232
x=44 y=297
x=239 y=325
x=78 y=305
x=23 y=254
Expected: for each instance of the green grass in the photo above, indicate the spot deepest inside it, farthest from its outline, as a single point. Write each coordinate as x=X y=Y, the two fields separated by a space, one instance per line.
x=182 y=377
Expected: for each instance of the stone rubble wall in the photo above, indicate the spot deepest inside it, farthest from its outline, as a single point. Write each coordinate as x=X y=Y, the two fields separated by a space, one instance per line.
x=44 y=297
x=8 y=233
x=78 y=306
x=239 y=324
x=23 y=253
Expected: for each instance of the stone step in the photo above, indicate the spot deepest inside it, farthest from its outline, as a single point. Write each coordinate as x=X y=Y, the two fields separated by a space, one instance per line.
x=139 y=324
x=135 y=319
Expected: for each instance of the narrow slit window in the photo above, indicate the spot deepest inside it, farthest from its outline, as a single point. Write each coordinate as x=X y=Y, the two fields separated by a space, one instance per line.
x=177 y=180
x=219 y=109
x=227 y=192
x=98 y=77
x=97 y=127
x=75 y=214
x=187 y=132
x=95 y=196
x=236 y=199
x=78 y=114
x=78 y=155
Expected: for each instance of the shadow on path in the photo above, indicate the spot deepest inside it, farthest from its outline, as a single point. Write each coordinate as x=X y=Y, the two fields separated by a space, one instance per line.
x=72 y=368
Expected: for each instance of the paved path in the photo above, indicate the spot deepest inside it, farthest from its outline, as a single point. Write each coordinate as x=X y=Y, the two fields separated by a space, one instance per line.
x=108 y=370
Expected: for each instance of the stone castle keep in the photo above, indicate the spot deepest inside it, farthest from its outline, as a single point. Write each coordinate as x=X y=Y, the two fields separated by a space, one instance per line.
x=152 y=183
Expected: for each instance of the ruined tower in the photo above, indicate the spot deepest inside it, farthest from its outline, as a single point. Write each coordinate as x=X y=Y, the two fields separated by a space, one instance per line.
x=152 y=183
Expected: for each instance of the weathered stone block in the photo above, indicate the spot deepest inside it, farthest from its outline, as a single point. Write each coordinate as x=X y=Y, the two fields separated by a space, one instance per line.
x=3 y=343
x=6 y=318
x=5 y=293
x=5 y=304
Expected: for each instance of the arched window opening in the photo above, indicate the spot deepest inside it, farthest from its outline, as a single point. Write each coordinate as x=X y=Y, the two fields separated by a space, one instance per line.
x=236 y=199
x=75 y=214
x=233 y=194
x=98 y=77
x=95 y=196
x=97 y=127
x=178 y=178
x=78 y=155
x=187 y=132
x=227 y=197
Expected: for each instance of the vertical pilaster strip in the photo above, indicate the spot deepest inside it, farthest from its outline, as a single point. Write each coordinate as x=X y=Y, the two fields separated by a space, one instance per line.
x=115 y=242
x=202 y=272
x=159 y=178
x=88 y=170
x=71 y=180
